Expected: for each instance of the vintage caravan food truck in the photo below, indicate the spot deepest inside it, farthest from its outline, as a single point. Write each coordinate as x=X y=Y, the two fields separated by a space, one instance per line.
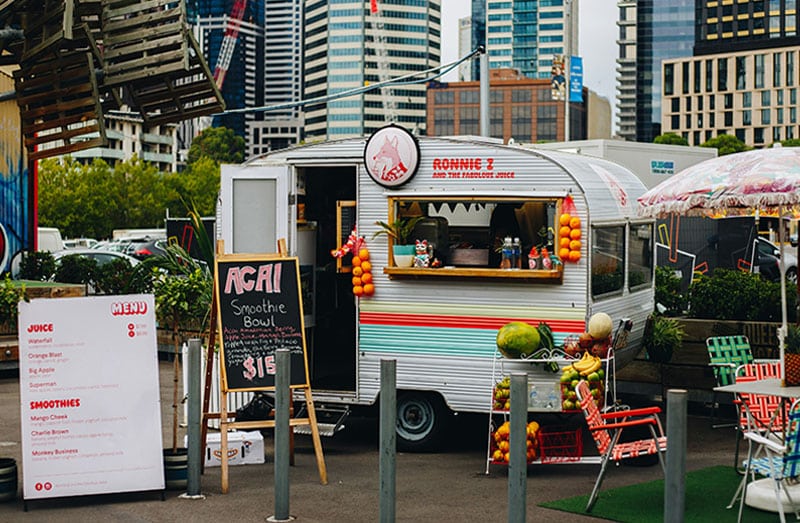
x=439 y=317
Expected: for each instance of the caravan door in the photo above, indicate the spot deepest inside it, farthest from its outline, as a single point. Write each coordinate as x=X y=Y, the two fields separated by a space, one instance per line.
x=254 y=208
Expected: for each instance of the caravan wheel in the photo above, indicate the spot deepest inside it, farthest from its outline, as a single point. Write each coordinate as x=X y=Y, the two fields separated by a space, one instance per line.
x=421 y=420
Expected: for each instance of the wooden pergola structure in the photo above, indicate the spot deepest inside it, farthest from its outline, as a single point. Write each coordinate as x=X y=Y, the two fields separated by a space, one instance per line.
x=80 y=58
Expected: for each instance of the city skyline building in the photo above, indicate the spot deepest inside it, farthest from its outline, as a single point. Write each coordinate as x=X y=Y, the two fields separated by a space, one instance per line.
x=243 y=84
x=348 y=47
x=649 y=32
x=525 y=35
x=743 y=77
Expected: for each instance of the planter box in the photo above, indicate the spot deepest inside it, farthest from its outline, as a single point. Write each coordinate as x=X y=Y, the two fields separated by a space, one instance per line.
x=688 y=369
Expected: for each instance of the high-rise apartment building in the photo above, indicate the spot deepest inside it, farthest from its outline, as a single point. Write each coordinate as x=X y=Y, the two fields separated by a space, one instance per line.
x=244 y=81
x=649 y=32
x=525 y=35
x=282 y=125
x=744 y=25
x=347 y=46
x=743 y=77
x=464 y=48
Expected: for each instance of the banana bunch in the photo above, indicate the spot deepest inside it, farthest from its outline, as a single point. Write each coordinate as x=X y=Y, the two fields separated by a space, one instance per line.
x=587 y=364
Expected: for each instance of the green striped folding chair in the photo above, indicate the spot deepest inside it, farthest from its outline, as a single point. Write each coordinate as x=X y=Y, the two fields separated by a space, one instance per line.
x=725 y=355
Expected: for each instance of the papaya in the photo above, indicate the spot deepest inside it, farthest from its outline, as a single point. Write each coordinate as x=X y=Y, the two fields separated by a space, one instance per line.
x=517 y=339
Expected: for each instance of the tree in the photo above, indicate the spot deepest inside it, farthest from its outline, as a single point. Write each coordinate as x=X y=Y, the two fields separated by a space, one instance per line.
x=218 y=143
x=198 y=185
x=670 y=139
x=726 y=144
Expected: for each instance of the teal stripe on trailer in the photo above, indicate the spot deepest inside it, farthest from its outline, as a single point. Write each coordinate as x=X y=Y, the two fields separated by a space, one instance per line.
x=427 y=340
x=432 y=340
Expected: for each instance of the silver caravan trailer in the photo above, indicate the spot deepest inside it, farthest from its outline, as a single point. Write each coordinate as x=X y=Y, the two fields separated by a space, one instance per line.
x=440 y=321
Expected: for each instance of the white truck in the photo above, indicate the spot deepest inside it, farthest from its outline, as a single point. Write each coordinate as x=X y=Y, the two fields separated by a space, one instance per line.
x=439 y=319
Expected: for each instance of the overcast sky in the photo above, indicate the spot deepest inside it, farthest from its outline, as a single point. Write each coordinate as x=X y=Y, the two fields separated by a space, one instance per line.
x=598 y=33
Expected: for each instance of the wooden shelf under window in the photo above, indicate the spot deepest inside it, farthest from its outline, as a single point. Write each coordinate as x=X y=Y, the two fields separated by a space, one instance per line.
x=543 y=276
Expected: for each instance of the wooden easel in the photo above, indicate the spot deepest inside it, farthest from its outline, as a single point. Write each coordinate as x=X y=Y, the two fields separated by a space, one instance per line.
x=224 y=416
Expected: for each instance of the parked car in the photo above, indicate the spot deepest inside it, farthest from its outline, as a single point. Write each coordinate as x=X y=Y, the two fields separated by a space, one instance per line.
x=149 y=248
x=769 y=256
x=80 y=243
x=100 y=256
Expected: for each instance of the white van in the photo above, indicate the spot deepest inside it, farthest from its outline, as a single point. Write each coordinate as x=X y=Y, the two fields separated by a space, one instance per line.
x=440 y=324
x=49 y=239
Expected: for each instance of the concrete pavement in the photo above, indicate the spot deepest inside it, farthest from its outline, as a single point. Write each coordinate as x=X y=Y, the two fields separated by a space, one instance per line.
x=448 y=486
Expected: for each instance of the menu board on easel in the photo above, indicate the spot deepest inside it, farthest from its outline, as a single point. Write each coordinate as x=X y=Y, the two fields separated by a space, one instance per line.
x=260 y=311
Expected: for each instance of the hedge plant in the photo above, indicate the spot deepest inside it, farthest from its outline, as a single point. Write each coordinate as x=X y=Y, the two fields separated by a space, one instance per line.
x=737 y=295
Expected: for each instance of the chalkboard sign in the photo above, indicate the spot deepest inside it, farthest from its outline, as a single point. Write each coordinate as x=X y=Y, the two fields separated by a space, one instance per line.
x=259 y=310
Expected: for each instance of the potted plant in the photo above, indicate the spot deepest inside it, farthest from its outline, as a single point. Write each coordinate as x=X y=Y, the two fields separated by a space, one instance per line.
x=183 y=288
x=662 y=337
x=10 y=296
x=400 y=232
x=791 y=356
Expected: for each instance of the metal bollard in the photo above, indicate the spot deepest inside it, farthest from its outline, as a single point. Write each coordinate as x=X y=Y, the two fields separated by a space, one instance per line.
x=518 y=460
x=194 y=445
x=674 y=485
x=283 y=397
x=388 y=439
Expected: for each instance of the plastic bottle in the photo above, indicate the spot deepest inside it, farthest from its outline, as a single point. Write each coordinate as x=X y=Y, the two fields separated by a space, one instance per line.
x=507 y=253
x=547 y=263
x=533 y=258
x=517 y=258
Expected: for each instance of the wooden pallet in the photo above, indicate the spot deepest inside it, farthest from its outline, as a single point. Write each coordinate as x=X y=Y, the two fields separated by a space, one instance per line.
x=60 y=107
x=143 y=39
x=179 y=95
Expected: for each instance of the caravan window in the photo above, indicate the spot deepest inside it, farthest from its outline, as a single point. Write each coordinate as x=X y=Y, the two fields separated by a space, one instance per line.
x=640 y=264
x=608 y=260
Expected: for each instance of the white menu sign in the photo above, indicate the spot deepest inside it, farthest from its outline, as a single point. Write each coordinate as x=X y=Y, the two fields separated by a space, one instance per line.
x=91 y=411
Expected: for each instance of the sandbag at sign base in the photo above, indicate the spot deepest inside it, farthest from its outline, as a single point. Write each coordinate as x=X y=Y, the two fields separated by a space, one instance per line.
x=760 y=495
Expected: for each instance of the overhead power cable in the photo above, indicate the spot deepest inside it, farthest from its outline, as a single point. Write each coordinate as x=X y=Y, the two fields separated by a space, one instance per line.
x=408 y=79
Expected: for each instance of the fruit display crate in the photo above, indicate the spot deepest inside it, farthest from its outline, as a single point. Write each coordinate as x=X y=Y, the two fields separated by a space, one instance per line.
x=560 y=444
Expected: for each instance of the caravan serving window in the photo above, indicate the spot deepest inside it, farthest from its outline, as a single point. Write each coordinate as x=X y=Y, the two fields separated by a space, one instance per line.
x=467 y=233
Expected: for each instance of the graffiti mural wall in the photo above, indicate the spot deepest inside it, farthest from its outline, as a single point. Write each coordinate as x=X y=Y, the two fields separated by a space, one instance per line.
x=14 y=197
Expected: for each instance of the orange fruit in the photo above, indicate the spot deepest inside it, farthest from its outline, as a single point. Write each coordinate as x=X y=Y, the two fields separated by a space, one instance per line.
x=564 y=231
x=575 y=222
x=366 y=266
x=358 y=271
x=358 y=290
x=575 y=245
x=356 y=261
x=363 y=254
x=366 y=277
x=369 y=289
x=564 y=219
x=356 y=281
x=574 y=256
x=564 y=241
x=563 y=253
x=575 y=234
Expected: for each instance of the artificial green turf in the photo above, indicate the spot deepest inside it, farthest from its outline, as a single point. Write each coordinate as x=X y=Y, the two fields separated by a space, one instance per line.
x=708 y=491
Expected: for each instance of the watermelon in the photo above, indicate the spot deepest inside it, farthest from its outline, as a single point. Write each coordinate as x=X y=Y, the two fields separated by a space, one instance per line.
x=517 y=339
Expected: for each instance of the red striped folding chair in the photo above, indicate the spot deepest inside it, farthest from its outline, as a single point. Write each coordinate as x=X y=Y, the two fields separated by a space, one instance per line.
x=607 y=427
x=764 y=411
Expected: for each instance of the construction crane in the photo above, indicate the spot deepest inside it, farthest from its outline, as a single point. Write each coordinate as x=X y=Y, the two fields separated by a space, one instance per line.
x=229 y=41
x=382 y=56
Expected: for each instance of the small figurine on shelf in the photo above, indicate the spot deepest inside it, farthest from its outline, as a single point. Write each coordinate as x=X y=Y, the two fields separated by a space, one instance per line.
x=533 y=258
x=422 y=258
x=547 y=263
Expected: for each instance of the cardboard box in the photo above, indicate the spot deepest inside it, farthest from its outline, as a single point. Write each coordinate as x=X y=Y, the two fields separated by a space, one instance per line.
x=243 y=448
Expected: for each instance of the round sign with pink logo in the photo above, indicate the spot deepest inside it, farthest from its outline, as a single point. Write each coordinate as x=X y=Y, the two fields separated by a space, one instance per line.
x=391 y=156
